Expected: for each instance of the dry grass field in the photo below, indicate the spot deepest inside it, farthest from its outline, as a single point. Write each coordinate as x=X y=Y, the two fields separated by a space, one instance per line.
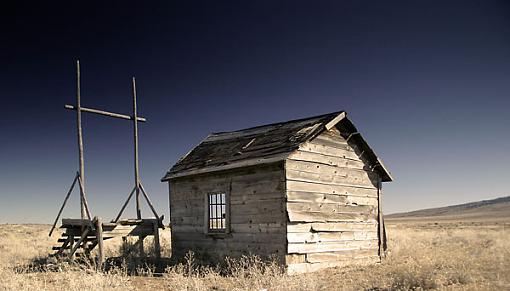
x=428 y=255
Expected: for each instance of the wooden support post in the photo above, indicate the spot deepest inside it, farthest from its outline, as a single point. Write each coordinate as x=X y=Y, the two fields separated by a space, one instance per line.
x=64 y=245
x=140 y=246
x=137 y=175
x=124 y=206
x=149 y=201
x=81 y=170
x=84 y=199
x=99 y=236
x=380 y=231
x=71 y=244
x=64 y=204
x=157 y=246
x=135 y=141
x=80 y=241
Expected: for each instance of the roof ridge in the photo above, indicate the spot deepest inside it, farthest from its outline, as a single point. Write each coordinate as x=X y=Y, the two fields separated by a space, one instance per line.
x=278 y=123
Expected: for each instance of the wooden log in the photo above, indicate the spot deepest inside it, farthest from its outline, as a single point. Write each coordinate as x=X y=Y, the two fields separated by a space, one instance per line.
x=81 y=165
x=148 y=201
x=104 y=113
x=124 y=206
x=63 y=204
x=83 y=198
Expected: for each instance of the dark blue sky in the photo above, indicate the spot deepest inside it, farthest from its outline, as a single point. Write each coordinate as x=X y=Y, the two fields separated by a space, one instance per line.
x=426 y=82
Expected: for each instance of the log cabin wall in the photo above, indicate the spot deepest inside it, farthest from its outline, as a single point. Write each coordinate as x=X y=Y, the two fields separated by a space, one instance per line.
x=257 y=213
x=332 y=205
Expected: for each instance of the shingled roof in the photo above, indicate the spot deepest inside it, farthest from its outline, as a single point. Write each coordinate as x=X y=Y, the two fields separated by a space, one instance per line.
x=265 y=144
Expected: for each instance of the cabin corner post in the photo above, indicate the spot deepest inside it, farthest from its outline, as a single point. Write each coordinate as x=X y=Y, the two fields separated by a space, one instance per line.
x=169 y=205
x=380 y=220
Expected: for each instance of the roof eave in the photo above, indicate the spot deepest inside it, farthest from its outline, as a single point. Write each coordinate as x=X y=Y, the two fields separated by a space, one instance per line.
x=241 y=164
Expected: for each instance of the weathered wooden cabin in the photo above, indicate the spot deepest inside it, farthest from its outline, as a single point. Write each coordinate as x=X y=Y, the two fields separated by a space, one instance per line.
x=307 y=192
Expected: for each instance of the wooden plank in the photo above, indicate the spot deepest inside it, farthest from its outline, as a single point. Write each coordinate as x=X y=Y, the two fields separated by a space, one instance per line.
x=331 y=226
x=346 y=189
x=305 y=248
x=329 y=207
x=238 y=228
x=319 y=237
x=302 y=216
x=275 y=228
x=341 y=256
x=270 y=188
x=294 y=269
x=317 y=147
x=323 y=178
x=316 y=172
x=311 y=197
x=269 y=238
x=238 y=207
x=295 y=259
x=259 y=172
x=270 y=217
x=300 y=155
x=242 y=163
x=335 y=120
x=344 y=226
x=76 y=222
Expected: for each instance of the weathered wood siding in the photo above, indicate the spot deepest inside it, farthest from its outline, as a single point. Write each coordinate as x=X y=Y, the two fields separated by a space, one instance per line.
x=332 y=205
x=257 y=213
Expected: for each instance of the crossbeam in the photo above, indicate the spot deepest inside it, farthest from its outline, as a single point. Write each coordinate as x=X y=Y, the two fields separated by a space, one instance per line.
x=105 y=113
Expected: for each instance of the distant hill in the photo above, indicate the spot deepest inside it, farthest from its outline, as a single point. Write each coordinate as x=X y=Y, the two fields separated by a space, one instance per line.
x=495 y=209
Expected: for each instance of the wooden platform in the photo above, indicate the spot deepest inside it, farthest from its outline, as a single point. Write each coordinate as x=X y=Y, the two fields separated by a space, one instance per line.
x=81 y=236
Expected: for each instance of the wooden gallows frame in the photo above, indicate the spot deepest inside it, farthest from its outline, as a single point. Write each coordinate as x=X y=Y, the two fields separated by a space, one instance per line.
x=80 y=175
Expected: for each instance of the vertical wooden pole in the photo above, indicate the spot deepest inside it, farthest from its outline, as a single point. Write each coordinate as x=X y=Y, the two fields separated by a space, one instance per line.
x=135 y=140
x=99 y=236
x=137 y=175
x=80 y=139
x=157 y=247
